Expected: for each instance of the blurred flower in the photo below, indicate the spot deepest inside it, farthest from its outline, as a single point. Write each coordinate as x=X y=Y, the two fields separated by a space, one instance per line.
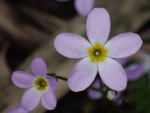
x=41 y=86
x=134 y=71
x=95 y=95
x=83 y=7
x=97 y=55
x=144 y=56
x=17 y=109
x=123 y=61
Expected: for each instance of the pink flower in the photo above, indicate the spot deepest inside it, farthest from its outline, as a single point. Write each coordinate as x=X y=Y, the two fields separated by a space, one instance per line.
x=40 y=86
x=97 y=55
x=83 y=7
x=17 y=109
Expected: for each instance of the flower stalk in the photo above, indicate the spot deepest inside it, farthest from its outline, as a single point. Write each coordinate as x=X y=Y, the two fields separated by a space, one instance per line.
x=56 y=76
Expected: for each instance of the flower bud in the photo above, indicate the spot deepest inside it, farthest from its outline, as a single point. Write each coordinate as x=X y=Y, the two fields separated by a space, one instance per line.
x=111 y=95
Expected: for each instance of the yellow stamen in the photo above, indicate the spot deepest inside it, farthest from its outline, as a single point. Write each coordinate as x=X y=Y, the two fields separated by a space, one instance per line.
x=97 y=53
x=41 y=83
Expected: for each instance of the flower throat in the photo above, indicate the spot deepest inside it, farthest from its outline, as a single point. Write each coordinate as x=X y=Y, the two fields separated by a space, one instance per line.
x=97 y=53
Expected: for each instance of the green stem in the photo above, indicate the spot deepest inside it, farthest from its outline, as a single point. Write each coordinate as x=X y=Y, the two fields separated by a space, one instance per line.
x=102 y=88
x=57 y=77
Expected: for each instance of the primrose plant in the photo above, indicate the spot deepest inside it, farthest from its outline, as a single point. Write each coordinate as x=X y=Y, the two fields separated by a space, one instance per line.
x=99 y=58
x=41 y=86
x=97 y=54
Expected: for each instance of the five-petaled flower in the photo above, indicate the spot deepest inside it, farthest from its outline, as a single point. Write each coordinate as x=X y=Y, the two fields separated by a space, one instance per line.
x=83 y=7
x=98 y=55
x=41 y=86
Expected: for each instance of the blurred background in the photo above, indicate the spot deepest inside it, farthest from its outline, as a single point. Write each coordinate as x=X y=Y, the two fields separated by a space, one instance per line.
x=27 y=30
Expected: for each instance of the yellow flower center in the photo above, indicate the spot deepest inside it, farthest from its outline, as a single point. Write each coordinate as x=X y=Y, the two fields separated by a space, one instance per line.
x=41 y=83
x=97 y=53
